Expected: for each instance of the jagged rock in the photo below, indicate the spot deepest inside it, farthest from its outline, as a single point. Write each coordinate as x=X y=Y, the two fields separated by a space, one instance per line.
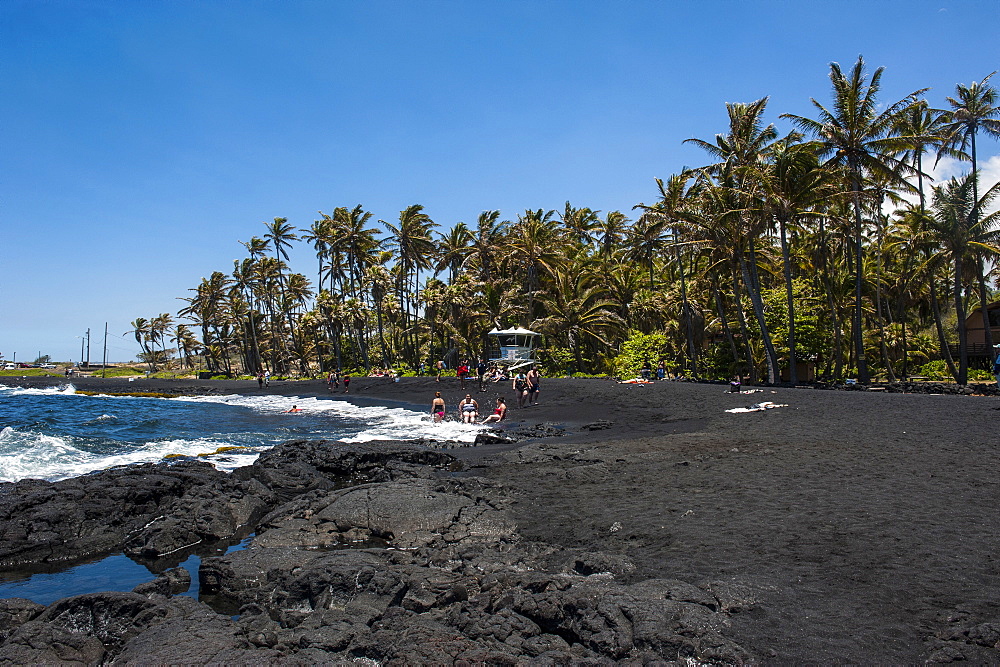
x=50 y=522
x=300 y=466
x=38 y=643
x=15 y=612
x=492 y=438
x=193 y=633
x=171 y=582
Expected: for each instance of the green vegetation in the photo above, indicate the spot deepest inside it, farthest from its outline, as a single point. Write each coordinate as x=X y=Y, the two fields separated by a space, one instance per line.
x=28 y=372
x=784 y=247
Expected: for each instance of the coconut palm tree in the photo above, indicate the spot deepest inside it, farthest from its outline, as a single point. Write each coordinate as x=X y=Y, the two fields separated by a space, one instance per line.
x=487 y=242
x=577 y=310
x=414 y=250
x=858 y=133
x=795 y=188
x=973 y=109
x=453 y=249
x=958 y=241
x=535 y=250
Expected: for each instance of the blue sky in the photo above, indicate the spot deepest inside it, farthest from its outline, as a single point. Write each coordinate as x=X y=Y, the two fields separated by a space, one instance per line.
x=139 y=141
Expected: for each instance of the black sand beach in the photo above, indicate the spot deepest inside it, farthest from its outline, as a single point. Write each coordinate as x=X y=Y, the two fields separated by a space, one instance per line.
x=847 y=526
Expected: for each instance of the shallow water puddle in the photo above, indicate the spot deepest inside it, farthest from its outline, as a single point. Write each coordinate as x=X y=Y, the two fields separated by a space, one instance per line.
x=116 y=572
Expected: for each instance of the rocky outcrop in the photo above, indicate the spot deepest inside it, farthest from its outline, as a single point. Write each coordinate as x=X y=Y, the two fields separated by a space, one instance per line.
x=130 y=508
x=368 y=553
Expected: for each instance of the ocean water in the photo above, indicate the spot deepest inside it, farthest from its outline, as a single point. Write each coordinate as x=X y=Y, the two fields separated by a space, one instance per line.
x=54 y=433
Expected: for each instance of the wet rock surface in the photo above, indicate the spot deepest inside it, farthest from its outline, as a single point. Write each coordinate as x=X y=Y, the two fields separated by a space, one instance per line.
x=361 y=553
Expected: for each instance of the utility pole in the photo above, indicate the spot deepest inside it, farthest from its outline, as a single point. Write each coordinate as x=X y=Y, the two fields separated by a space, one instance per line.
x=104 y=364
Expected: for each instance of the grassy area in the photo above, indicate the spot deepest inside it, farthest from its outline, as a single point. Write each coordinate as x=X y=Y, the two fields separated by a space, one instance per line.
x=30 y=372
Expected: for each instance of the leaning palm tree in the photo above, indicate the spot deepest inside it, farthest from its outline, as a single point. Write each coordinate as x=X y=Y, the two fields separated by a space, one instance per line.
x=743 y=152
x=858 y=133
x=975 y=108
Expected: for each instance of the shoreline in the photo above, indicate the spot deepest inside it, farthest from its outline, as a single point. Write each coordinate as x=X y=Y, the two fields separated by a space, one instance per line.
x=846 y=526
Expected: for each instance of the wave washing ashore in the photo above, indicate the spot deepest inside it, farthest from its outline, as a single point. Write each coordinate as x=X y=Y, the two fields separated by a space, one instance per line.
x=54 y=433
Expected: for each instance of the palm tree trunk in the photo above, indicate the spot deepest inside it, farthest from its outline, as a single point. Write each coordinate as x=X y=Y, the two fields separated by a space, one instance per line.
x=720 y=307
x=758 y=307
x=963 y=343
x=744 y=329
x=793 y=373
x=859 y=339
x=939 y=325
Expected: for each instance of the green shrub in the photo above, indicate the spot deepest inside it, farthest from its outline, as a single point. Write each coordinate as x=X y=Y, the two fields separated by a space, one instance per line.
x=936 y=370
x=639 y=349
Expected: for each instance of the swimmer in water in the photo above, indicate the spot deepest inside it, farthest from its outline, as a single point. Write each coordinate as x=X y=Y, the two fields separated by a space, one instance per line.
x=295 y=408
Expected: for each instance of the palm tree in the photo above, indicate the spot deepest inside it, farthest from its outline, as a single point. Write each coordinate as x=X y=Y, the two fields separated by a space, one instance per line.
x=645 y=238
x=795 y=188
x=414 y=249
x=487 y=242
x=453 y=249
x=975 y=108
x=957 y=240
x=536 y=250
x=860 y=135
x=579 y=223
x=577 y=310
x=610 y=232
x=743 y=151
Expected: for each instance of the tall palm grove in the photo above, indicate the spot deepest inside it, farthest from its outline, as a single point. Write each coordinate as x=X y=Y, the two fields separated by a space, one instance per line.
x=828 y=249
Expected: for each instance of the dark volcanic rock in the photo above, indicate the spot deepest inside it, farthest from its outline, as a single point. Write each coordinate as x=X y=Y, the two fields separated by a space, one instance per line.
x=304 y=465
x=442 y=574
x=171 y=582
x=15 y=612
x=49 y=522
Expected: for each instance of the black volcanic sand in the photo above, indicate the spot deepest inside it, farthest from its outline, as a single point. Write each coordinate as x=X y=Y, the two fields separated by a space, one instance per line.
x=860 y=526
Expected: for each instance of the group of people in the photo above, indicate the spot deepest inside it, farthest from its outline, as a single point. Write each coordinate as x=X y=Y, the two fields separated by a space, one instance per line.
x=334 y=379
x=525 y=385
x=468 y=410
x=647 y=371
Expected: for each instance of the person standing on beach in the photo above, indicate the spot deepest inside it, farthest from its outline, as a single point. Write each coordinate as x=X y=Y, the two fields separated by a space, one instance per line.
x=437 y=407
x=347 y=384
x=267 y=379
x=260 y=379
x=996 y=366
x=440 y=370
x=481 y=372
x=534 y=379
x=520 y=387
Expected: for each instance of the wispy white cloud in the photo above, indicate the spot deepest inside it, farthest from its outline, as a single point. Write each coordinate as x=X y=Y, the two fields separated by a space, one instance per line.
x=947 y=167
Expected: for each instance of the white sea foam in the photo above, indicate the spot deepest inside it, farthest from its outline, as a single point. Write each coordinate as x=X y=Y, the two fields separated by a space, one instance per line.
x=382 y=423
x=35 y=455
x=65 y=390
x=27 y=453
